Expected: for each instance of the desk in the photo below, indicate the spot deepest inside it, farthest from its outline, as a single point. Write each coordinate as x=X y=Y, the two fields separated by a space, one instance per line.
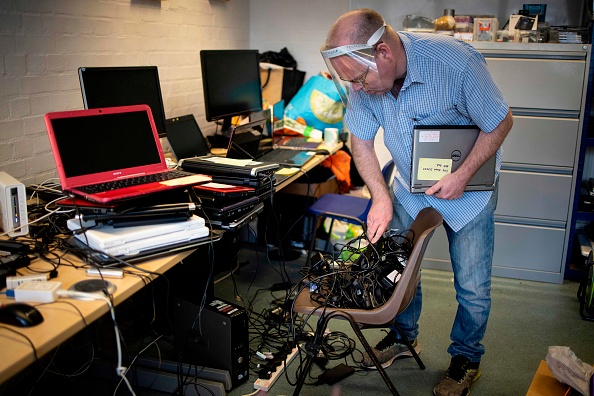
x=317 y=160
x=62 y=321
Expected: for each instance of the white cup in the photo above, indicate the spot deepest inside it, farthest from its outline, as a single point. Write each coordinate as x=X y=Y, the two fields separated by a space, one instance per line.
x=331 y=136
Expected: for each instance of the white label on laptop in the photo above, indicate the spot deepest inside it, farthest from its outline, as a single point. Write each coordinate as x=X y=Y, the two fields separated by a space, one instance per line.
x=434 y=168
x=187 y=179
x=429 y=137
x=218 y=185
x=232 y=161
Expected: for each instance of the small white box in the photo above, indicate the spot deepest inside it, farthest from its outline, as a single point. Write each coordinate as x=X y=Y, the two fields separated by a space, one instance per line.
x=31 y=291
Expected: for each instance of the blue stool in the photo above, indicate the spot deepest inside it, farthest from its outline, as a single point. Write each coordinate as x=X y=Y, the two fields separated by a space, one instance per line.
x=347 y=208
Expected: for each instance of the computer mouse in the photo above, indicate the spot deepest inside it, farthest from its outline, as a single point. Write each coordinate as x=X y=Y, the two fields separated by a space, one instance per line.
x=20 y=314
x=322 y=152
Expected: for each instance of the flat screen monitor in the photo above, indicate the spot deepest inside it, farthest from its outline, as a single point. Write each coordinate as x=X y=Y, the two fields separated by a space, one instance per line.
x=231 y=81
x=123 y=86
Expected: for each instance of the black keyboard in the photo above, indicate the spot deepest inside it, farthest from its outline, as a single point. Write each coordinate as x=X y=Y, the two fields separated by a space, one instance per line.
x=297 y=141
x=278 y=155
x=133 y=181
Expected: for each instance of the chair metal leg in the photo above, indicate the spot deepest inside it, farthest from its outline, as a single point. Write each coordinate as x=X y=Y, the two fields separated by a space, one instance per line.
x=312 y=243
x=320 y=330
x=329 y=236
x=409 y=345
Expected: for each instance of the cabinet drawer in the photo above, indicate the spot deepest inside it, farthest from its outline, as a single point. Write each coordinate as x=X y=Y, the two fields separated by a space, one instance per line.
x=516 y=246
x=534 y=195
x=539 y=83
x=541 y=141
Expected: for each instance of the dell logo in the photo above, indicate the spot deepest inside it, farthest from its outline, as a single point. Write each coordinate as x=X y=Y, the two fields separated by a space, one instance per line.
x=456 y=155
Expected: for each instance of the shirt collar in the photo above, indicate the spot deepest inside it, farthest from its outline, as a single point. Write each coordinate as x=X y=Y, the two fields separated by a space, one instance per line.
x=412 y=72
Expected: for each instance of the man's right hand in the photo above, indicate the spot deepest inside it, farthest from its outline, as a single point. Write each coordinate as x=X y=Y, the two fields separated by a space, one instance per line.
x=378 y=219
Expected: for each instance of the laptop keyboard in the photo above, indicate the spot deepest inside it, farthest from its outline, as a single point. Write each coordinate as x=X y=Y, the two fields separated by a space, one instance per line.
x=134 y=181
x=297 y=141
x=277 y=156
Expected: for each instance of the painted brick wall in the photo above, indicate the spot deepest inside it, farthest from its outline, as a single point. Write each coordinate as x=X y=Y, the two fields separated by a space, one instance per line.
x=42 y=44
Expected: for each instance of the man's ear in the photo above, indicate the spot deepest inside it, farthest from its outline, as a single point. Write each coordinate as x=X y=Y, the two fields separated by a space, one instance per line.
x=383 y=51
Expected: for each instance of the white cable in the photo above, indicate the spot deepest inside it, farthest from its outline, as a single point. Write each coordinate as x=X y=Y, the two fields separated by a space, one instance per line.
x=120 y=370
x=32 y=222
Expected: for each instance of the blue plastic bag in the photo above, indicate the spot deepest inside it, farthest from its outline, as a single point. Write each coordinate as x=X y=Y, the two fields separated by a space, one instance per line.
x=317 y=102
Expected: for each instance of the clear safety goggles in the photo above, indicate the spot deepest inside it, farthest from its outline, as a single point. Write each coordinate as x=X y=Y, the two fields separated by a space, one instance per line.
x=352 y=66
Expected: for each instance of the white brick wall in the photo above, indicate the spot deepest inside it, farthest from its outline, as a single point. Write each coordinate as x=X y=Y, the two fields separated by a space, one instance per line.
x=43 y=43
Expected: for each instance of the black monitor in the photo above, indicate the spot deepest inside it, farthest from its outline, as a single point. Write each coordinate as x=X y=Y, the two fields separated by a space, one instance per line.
x=123 y=86
x=231 y=81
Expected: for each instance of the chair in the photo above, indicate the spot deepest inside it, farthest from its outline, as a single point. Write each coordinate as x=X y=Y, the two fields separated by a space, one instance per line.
x=347 y=208
x=421 y=231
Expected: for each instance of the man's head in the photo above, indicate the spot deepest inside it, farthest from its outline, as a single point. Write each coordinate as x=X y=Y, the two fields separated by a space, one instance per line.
x=360 y=53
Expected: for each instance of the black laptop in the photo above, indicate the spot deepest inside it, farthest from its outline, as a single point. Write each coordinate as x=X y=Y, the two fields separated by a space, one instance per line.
x=250 y=141
x=185 y=137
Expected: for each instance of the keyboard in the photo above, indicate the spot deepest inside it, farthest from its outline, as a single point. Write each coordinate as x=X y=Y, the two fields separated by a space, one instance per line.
x=278 y=156
x=134 y=181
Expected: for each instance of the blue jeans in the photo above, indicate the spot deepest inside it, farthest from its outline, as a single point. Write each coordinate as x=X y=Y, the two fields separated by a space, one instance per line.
x=471 y=253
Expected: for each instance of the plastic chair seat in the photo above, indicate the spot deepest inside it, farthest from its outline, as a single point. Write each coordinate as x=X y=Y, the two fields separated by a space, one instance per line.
x=347 y=208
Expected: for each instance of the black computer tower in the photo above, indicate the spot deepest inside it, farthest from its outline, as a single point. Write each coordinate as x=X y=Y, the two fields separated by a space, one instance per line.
x=215 y=338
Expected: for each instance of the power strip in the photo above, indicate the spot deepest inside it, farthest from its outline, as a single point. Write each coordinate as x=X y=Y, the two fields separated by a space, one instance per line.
x=266 y=384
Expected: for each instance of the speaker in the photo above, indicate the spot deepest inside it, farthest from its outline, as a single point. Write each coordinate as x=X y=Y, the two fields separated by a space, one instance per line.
x=216 y=337
x=13 y=202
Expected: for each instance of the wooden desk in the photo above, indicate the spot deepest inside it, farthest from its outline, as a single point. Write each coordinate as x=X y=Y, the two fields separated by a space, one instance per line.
x=61 y=320
x=317 y=160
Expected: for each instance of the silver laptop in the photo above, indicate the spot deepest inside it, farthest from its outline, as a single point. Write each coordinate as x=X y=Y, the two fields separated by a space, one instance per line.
x=438 y=150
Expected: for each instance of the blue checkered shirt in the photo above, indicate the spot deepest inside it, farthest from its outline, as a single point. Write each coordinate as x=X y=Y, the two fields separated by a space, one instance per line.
x=447 y=83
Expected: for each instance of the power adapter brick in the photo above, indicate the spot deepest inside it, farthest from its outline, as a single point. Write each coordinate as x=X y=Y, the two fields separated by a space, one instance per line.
x=32 y=291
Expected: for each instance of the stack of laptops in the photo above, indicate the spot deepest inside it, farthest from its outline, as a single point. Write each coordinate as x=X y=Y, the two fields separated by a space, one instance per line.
x=238 y=189
x=112 y=162
x=227 y=206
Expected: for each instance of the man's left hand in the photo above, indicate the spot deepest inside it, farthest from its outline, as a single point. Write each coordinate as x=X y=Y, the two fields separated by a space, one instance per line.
x=448 y=187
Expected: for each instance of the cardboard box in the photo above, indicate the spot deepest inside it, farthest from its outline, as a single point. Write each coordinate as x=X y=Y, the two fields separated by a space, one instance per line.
x=315 y=189
x=544 y=383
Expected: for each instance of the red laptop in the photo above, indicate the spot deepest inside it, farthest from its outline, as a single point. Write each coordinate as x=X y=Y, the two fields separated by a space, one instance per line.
x=111 y=154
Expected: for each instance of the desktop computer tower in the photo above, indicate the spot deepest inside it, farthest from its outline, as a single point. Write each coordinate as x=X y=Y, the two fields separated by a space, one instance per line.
x=216 y=338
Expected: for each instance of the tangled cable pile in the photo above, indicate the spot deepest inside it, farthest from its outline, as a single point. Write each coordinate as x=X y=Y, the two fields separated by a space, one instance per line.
x=366 y=279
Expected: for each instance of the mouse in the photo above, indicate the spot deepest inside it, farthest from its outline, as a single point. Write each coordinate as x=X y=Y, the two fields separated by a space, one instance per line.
x=20 y=314
x=322 y=152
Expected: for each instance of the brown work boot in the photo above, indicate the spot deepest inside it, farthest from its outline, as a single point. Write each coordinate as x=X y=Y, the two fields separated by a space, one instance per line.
x=458 y=378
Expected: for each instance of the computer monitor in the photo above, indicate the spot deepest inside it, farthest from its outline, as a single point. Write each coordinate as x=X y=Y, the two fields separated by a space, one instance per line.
x=123 y=86
x=231 y=81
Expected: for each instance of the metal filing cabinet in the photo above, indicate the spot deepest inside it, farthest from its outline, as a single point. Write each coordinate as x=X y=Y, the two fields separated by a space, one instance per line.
x=545 y=85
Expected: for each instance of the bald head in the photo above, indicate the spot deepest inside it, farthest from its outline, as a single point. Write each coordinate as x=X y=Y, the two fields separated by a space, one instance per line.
x=354 y=27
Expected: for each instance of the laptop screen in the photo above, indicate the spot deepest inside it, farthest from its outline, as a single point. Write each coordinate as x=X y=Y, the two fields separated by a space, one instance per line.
x=247 y=141
x=92 y=146
x=185 y=137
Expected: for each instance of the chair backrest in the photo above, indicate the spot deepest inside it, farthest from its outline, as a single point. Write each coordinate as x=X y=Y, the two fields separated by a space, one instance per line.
x=421 y=231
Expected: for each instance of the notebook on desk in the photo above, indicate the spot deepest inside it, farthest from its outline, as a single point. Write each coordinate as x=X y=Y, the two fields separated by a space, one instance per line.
x=185 y=137
x=438 y=150
x=111 y=154
x=249 y=141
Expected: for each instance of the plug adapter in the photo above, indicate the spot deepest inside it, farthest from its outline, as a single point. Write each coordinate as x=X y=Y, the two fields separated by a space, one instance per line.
x=32 y=291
